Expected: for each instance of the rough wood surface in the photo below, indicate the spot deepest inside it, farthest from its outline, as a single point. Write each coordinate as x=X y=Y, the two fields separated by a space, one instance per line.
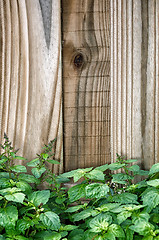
x=30 y=75
x=86 y=82
x=135 y=80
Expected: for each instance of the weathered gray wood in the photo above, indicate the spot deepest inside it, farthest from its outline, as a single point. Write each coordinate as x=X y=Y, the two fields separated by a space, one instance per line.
x=135 y=80
x=30 y=73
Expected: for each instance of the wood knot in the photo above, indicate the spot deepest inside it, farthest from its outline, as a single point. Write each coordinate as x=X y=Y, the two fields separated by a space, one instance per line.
x=78 y=60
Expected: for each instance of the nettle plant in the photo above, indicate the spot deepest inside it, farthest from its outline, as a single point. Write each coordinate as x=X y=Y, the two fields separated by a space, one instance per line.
x=100 y=203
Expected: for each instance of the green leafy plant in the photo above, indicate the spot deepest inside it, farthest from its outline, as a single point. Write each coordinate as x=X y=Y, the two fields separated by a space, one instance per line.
x=105 y=202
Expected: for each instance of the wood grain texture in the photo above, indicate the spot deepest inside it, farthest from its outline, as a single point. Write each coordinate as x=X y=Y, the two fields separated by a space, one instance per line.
x=30 y=70
x=86 y=82
x=135 y=80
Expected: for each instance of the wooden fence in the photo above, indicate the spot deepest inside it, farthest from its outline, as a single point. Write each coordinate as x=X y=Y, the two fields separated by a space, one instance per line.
x=84 y=72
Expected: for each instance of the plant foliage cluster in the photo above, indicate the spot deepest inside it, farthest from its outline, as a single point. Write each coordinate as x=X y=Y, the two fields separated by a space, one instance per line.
x=102 y=204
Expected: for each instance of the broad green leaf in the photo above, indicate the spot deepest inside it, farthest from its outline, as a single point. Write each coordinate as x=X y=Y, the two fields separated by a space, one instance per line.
x=52 y=161
x=140 y=216
x=76 y=234
x=148 y=238
x=153 y=183
x=37 y=172
x=39 y=197
x=134 y=168
x=116 y=230
x=22 y=225
x=4 y=183
x=69 y=227
x=107 y=207
x=155 y=218
x=142 y=227
x=77 y=192
x=88 y=235
x=46 y=235
x=28 y=178
x=100 y=223
x=18 y=168
x=102 y=168
x=84 y=214
x=24 y=186
x=95 y=175
x=9 y=191
x=121 y=217
x=131 y=160
x=121 y=178
x=116 y=166
x=129 y=234
x=16 y=197
x=60 y=179
x=34 y=163
x=81 y=172
x=154 y=169
x=19 y=158
x=109 y=236
x=20 y=238
x=8 y=217
x=96 y=190
x=125 y=198
x=151 y=199
x=76 y=208
x=50 y=220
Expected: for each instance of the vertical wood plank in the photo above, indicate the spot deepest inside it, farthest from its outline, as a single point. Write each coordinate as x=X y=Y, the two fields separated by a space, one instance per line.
x=86 y=82
x=30 y=69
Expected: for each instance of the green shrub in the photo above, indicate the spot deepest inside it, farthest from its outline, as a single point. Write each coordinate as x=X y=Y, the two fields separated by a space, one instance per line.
x=102 y=204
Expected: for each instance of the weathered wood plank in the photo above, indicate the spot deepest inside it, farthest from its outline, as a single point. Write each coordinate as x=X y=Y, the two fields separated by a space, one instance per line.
x=86 y=82
x=30 y=70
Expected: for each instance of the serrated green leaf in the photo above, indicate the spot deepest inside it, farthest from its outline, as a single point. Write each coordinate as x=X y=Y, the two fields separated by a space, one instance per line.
x=39 y=197
x=134 y=168
x=95 y=175
x=121 y=217
x=151 y=199
x=18 y=168
x=69 y=227
x=125 y=198
x=28 y=178
x=80 y=172
x=76 y=234
x=96 y=190
x=108 y=206
x=121 y=178
x=24 y=186
x=8 y=217
x=37 y=172
x=153 y=183
x=33 y=163
x=116 y=230
x=100 y=223
x=154 y=169
x=142 y=227
x=88 y=235
x=109 y=236
x=140 y=216
x=9 y=191
x=77 y=192
x=84 y=214
x=53 y=161
x=47 y=235
x=4 y=183
x=50 y=220
x=130 y=160
x=116 y=166
x=19 y=158
x=15 y=197
x=76 y=208
x=102 y=168
x=22 y=225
